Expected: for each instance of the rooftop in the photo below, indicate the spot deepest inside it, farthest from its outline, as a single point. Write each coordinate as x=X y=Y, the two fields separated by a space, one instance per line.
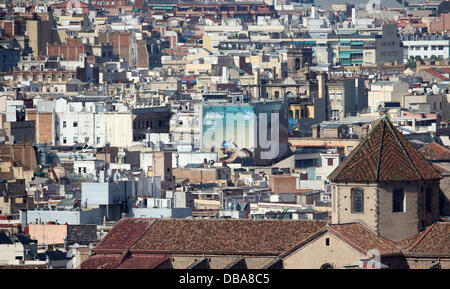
x=362 y=239
x=219 y=236
x=435 y=152
x=385 y=155
x=434 y=240
x=146 y=243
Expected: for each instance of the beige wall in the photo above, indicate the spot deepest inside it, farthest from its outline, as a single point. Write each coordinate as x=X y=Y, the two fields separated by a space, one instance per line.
x=316 y=253
x=12 y=205
x=385 y=92
x=168 y=84
x=44 y=126
x=196 y=176
x=341 y=205
x=378 y=215
x=207 y=42
x=207 y=204
x=47 y=234
x=5 y=206
x=369 y=57
x=8 y=253
x=398 y=225
x=445 y=191
x=348 y=145
x=197 y=68
x=426 y=263
x=40 y=33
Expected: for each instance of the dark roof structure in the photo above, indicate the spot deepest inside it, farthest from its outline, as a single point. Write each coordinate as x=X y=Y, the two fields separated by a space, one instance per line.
x=385 y=155
x=53 y=255
x=24 y=239
x=4 y=239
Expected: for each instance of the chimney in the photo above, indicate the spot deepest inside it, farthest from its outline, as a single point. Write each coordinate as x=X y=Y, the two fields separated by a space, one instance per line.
x=224 y=74
x=316 y=131
x=354 y=16
x=321 y=85
x=242 y=64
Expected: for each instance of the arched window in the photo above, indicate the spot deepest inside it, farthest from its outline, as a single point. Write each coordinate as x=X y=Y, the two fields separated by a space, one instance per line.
x=297 y=63
x=326 y=266
x=357 y=197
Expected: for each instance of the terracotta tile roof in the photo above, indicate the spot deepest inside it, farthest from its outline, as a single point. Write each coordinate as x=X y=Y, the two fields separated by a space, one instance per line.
x=115 y=261
x=435 y=152
x=362 y=239
x=384 y=156
x=270 y=237
x=124 y=234
x=153 y=246
x=102 y=261
x=436 y=73
x=434 y=240
x=65 y=3
x=138 y=4
x=406 y=243
x=142 y=261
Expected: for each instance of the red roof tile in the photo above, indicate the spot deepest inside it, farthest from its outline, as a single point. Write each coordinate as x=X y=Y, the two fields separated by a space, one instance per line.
x=124 y=234
x=265 y=237
x=434 y=240
x=142 y=261
x=138 y=4
x=65 y=3
x=102 y=261
x=436 y=73
x=435 y=152
x=270 y=237
x=362 y=239
x=384 y=156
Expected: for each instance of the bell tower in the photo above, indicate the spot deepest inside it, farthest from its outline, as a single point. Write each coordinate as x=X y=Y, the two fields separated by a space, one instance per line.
x=386 y=185
x=298 y=59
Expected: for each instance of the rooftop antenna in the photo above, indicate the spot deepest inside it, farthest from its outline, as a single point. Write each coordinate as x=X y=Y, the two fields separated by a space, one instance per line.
x=148 y=137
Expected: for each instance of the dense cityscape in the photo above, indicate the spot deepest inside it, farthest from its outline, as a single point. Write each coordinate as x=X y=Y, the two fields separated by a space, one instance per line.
x=218 y=134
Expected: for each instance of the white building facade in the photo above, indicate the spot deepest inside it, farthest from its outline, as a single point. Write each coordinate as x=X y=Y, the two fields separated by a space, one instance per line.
x=425 y=47
x=89 y=124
